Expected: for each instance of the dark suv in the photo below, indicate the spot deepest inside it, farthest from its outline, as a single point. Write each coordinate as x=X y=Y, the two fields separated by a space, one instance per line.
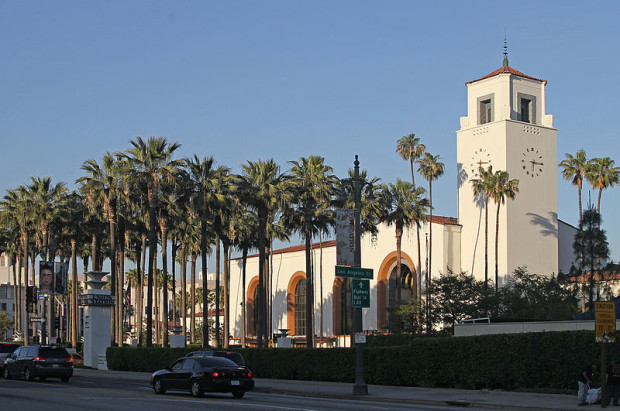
x=41 y=361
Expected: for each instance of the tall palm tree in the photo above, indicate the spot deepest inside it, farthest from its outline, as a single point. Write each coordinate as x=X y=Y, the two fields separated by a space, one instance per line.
x=72 y=227
x=574 y=169
x=602 y=174
x=245 y=223
x=312 y=186
x=503 y=188
x=149 y=162
x=483 y=186
x=208 y=185
x=410 y=148
x=104 y=183
x=431 y=169
x=404 y=207
x=261 y=185
x=44 y=198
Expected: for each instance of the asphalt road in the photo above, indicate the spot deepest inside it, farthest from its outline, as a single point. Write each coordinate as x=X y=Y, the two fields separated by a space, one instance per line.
x=93 y=394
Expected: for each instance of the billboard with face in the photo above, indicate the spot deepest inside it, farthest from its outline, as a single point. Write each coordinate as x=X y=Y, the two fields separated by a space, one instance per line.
x=46 y=277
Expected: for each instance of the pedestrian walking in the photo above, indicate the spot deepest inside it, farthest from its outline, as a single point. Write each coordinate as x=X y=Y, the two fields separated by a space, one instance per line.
x=584 y=380
x=613 y=382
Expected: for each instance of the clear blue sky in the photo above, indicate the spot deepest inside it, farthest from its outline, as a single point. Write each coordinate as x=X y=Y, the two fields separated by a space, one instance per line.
x=245 y=80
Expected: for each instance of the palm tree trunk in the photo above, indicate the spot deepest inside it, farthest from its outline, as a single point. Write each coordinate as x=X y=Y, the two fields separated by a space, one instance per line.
x=419 y=288
x=25 y=262
x=321 y=284
x=184 y=290
x=152 y=249
x=164 y=258
x=174 y=280
x=140 y=292
x=205 y=285
x=262 y=229
x=218 y=341
x=243 y=298
x=16 y=286
x=74 y=294
x=309 y=289
x=113 y=279
x=121 y=290
x=486 y=241
x=20 y=295
x=226 y=296
x=399 y=236
x=192 y=318
x=496 y=247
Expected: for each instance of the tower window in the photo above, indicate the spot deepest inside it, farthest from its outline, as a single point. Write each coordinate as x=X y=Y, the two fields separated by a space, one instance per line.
x=526 y=110
x=485 y=109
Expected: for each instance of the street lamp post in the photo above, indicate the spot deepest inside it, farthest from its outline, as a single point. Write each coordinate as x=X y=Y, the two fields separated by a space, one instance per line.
x=360 y=387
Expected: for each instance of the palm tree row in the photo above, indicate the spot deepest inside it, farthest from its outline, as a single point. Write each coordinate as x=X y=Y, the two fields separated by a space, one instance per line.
x=130 y=203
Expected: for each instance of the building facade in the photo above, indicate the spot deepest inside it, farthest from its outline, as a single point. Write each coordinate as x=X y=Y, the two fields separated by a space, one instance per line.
x=506 y=127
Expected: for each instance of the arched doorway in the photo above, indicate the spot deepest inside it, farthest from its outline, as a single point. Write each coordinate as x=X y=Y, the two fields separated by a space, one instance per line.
x=386 y=294
x=251 y=307
x=295 y=310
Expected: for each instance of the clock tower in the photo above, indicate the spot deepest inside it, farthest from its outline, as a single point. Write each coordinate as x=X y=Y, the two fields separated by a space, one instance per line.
x=506 y=127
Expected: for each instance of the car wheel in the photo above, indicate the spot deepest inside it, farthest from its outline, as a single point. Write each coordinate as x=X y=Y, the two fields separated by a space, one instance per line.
x=27 y=375
x=238 y=393
x=6 y=374
x=64 y=379
x=196 y=390
x=157 y=387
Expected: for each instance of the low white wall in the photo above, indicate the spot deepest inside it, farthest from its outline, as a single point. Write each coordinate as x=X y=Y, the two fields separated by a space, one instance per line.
x=465 y=330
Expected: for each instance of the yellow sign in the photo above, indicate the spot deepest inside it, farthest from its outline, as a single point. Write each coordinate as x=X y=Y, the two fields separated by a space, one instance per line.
x=605 y=321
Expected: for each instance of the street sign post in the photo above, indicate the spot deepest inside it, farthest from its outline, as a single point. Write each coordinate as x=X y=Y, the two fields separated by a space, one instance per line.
x=36 y=319
x=361 y=293
x=354 y=272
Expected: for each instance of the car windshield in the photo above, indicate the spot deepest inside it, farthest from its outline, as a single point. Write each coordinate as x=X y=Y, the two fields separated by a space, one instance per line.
x=8 y=348
x=53 y=353
x=216 y=362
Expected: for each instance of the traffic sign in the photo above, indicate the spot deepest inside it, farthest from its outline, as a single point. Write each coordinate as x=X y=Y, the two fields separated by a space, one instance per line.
x=36 y=319
x=41 y=297
x=361 y=293
x=354 y=272
x=605 y=321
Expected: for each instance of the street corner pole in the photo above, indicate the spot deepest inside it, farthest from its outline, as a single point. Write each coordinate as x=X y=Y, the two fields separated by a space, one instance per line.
x=603 y=375
x=359 y=387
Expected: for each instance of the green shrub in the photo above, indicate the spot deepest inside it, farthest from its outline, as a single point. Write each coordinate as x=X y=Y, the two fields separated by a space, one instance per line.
x=538 y=361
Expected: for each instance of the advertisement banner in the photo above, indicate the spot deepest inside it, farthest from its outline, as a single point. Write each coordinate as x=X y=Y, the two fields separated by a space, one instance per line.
x=46 y=277
x=345 y=237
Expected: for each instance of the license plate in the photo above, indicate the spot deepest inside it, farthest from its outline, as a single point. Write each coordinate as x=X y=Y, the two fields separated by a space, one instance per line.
x=55 y=365
x=234 y=382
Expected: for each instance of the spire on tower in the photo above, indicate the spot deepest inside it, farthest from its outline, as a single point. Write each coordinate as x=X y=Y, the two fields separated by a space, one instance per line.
x=505 y=64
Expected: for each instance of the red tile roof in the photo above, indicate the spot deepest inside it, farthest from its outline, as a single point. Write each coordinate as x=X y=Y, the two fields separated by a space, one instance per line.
x=506 y=70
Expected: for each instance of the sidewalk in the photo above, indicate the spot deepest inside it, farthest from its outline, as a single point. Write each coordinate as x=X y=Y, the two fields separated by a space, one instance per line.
x=407 y=395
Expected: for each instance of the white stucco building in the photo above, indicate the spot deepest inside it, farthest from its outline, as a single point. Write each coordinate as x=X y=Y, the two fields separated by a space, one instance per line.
x=507 y=127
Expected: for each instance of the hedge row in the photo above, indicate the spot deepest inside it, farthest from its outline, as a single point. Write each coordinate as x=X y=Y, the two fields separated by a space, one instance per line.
x=548 y=360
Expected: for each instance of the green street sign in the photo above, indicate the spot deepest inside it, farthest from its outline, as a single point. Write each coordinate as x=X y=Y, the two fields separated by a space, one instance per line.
x=361 y=293
x=354 y=272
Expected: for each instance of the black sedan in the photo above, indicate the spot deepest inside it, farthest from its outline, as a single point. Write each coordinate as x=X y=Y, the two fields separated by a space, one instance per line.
x=203 y=374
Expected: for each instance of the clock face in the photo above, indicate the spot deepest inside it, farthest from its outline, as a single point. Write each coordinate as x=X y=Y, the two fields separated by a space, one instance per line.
x=480 y=158
x=532 y=162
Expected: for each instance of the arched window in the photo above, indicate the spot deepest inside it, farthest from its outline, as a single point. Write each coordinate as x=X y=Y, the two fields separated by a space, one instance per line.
x=300 y=307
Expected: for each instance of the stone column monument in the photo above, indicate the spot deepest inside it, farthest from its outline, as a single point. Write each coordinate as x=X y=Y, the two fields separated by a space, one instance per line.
x=97 y=319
